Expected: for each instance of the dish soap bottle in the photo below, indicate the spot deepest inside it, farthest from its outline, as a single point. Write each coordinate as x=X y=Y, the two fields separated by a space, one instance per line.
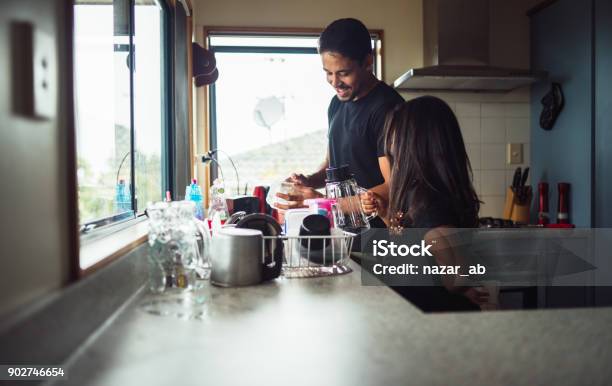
x=217 y=208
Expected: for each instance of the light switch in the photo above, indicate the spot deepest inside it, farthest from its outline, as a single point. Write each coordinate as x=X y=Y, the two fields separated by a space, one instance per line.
x=45 y=89
x=34 y=80
x=514 y=153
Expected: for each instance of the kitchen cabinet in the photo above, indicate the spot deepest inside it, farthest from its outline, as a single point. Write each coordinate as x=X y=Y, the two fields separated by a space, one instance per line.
x=603 y=119
x=561 y=44
x=573 y=42
x=603 y=130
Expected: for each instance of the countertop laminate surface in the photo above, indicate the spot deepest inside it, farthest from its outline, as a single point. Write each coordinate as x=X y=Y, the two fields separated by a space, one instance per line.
x=334 y=331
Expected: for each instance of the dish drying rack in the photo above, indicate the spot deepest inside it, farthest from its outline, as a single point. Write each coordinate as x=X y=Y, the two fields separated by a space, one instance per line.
x=303 y=258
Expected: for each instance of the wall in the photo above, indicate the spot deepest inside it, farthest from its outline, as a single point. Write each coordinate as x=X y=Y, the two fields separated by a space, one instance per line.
x=400 y=19
x=488 y=122
x=603 y=120
x=561 y=44
x=403 y=49
x=38 y=190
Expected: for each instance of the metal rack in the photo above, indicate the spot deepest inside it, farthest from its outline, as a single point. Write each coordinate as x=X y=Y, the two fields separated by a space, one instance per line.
x=315 y=256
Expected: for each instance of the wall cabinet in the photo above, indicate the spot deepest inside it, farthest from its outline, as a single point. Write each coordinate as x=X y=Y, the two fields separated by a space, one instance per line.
x=561 y=44
x=573 y=42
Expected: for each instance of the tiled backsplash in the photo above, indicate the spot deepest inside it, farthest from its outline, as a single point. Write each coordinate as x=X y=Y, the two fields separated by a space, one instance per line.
x=487 y=129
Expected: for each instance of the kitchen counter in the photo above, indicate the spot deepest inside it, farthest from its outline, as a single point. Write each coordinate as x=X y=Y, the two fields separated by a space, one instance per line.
x=334 y=331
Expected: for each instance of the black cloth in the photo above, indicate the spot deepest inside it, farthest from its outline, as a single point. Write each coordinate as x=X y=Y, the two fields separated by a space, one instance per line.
x=356 y=133
x=436 y=298
x=439 y=212
x=430 y=297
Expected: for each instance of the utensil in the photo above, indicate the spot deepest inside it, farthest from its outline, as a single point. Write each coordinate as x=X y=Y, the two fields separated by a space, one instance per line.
x=321 y=206
x=516 y=178
x=293 y=220
x=273 y=248
x=543 y=216
x=236 y=258
x=175 y=257
x=234 y=218
x=563 y=203
x=520 y=189
x=248 y=204
x=314 y=225
x=524 y=177
x=347 y=211
x=284 y=187
x=260 y=193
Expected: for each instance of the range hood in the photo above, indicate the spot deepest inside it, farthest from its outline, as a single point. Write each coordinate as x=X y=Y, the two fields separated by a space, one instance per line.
x=456 y=52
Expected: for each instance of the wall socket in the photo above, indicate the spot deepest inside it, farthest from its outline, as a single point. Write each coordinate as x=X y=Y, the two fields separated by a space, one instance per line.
x=33 y=83
x=514 y=154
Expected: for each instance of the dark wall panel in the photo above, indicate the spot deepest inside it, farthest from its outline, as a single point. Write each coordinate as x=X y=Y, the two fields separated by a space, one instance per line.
x=561 y=45
x=38 y=207
x=181 y=104
x=603 y=129
x=603 y=111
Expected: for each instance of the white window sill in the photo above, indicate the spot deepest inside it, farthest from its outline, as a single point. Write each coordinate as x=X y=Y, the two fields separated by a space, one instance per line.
x=100 y=251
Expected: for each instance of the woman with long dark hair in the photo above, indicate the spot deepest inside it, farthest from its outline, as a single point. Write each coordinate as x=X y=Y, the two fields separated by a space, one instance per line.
x=430 y=187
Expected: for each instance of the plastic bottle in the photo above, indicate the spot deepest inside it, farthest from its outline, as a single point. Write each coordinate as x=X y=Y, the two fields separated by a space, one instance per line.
x=123 y=200
x=195 y=195
x=217 y=208
x=188 y=192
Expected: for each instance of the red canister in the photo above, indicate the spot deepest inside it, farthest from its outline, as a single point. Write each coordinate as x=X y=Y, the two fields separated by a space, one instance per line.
x=563 y=203
x=260 y=193
x=543 y=216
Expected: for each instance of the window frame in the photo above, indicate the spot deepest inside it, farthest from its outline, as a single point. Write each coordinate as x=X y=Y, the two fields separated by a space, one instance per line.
x=119 y=233
x=211 y=129
x=96 y=228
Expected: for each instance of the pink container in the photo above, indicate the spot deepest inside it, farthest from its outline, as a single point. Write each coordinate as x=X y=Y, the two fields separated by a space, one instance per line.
x=321 y=206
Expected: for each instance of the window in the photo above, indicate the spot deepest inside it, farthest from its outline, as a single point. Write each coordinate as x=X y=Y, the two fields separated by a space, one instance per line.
x=269 y=106
x=120 y=78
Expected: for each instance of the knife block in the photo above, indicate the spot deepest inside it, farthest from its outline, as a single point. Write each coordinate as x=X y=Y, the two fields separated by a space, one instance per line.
x=515 y=210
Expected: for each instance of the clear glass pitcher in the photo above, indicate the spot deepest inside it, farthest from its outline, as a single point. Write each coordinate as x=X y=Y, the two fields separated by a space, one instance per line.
x=175 y=255
x=347 y=210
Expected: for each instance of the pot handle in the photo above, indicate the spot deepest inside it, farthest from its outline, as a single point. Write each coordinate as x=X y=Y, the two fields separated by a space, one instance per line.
x=272 y=270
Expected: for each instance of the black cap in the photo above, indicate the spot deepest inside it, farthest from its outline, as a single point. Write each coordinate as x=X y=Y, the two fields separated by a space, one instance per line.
x=338 y=174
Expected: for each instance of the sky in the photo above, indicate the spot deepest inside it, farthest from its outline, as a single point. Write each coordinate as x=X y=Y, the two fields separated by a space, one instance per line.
x=297 y=81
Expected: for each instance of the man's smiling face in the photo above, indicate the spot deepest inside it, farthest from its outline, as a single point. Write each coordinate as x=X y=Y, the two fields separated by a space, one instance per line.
x=347 y=76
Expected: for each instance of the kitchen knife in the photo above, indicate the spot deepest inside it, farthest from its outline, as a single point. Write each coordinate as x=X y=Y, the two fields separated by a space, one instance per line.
x=524 y=178
x=521 y=190
x=516 y=179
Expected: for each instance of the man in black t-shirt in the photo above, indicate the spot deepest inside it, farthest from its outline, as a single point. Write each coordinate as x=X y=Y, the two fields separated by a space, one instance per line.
x=356 y=113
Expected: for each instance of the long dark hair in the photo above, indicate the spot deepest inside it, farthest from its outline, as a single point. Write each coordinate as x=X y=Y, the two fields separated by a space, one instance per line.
x=429 y=164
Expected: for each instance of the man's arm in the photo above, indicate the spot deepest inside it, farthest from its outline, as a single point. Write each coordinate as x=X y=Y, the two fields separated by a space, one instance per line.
x=315 y=180
x=385 y=169
x=304 y=187
x=379 y=201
